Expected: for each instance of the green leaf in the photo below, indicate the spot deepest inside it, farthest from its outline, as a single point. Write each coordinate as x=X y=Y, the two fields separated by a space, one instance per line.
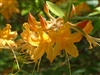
x=79 y=71
x=97 y=12
x=98 y=8
x=68 y=11
x=94 y=13
x=55 y=9
x=78 y=29
x=96 y=26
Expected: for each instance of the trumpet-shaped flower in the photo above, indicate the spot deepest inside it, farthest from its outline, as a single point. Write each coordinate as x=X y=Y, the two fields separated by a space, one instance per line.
x=53 y=36
x=7 y=36
x=50 y=37
x=64 y=40
x=35 y=36
x=87 y=27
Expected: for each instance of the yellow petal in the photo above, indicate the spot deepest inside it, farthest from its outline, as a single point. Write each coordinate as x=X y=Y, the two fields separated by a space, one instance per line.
x=30 y=50
x=44 y=36
x=39 y=51
x=53 y=35
x=50 y=52
x=34 y=41
x=2 y=43
x=64 y=31
x=57 y=49
x=74 y=37
x=71 y=49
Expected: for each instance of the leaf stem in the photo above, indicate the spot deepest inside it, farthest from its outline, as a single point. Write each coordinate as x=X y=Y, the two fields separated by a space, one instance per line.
x=85 y=18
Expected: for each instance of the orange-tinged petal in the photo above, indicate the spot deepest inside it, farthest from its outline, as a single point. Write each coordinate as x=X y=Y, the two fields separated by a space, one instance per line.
x=86 y=26
x=71 y=49
x=32 y=22
x=72 y=11
x=46 y=9
x=82 y=24
x=43 y=22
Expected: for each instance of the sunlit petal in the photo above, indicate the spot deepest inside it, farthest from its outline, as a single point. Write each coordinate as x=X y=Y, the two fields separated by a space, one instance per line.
x=71 y=49
x=39 y=51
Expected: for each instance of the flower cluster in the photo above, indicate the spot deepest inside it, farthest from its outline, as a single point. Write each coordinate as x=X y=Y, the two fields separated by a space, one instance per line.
x=53 y=36
x=7 y=37
x=50 y=37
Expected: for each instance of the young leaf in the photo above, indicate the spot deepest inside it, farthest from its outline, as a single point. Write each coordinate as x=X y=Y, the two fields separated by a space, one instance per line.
x=55 y=9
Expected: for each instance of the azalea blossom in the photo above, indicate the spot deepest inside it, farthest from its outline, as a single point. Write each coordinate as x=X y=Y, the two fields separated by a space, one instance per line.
x=49 y=36
x=86 y=27
x=37 y=38
x=53 y=36
x=8 y=7
x=7 y=37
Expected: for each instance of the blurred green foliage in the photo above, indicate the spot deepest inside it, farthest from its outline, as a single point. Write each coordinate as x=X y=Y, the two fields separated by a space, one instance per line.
x=87 y=63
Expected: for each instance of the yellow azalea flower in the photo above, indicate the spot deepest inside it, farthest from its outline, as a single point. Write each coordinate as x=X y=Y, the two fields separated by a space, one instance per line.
x=87 y=27
x=61 y=36
x=8 y=7
x=49 y=36
x=7 y=36
x=64 y=40
x=36 y=37
x=38 y=40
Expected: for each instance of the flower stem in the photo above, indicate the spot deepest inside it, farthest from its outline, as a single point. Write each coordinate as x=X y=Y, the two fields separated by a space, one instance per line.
x=14 y=55
x=69 y=66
